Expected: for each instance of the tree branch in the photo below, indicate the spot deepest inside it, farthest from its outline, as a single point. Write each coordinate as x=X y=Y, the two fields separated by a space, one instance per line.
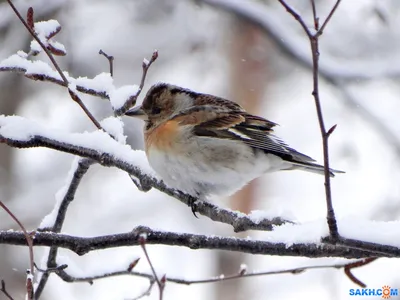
x=83 y=245
x=242 y=273
x=314 y=43
x=28 y=238
x=4 y=290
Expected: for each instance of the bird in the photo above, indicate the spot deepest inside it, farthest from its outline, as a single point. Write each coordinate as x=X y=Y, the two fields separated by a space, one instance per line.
x=206 y=145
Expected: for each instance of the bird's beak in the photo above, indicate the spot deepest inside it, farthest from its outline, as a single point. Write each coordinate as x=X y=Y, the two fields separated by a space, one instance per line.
x=137 y=112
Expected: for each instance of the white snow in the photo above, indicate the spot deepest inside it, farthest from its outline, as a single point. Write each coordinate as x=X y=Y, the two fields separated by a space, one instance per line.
x=35 y=47
x=386 y=233
x=57 y=45
x=45 y=28
x=115 y=127
x=243 y=268
x=259 y=215
x=50 y=219
x=102 y=82
x=119 y=96
x=18 y=128
x=15 y=61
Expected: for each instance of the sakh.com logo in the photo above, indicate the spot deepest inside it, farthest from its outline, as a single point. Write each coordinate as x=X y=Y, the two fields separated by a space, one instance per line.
x=385 y=292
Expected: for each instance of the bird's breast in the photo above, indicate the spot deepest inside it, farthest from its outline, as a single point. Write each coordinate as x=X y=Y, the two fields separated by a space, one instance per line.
x=162 y=137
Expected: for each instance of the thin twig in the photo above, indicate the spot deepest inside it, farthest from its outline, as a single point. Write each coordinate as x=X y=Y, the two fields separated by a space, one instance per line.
x=316 y=19
x=73 y=95
x=28 y=241
x=314 y=42
x=160 y=282
x=4 y=290
x=242 y=273
x=131 y=101
x=357 y=264
x=110 y=59
x=328 y=18
x=297 y=17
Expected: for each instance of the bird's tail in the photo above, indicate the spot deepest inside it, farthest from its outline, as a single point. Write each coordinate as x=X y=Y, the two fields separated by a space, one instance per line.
x=312 y=167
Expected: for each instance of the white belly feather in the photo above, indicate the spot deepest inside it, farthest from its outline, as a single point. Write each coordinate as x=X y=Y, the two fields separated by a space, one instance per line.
x=211 y=166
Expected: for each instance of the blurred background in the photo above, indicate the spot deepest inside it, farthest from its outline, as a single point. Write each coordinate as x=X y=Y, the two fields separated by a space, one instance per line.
x=249 y=51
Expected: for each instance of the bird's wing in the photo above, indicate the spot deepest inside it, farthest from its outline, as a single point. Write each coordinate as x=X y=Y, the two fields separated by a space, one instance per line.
x=219 y=122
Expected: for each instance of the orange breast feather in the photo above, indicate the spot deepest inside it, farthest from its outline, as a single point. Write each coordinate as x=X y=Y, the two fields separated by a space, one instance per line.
x=163 y=136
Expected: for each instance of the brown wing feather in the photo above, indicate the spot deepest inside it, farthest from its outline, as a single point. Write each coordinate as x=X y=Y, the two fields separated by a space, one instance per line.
x=209 y=117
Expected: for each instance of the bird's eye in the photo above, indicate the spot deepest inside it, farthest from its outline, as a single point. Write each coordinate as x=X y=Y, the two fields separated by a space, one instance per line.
x=156 y=110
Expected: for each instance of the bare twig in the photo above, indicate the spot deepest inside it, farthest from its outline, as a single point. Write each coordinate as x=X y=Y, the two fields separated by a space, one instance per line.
x=357 y=264
x=72 y=93
x=346 y=266
x=131 y=101
x=314 y=42
x=47 y=78
x=160 y=282
x=297 y=17
x=4 y=290
x=316 y=19
x=30 y=247
x=242 y=273
x=110 y=59
x=81 y=245
x=328 y=18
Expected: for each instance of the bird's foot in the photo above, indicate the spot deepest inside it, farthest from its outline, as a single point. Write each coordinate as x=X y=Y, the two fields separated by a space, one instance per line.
x=193 y=205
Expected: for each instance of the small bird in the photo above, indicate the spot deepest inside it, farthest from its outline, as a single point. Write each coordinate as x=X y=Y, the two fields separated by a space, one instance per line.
x=206 y=145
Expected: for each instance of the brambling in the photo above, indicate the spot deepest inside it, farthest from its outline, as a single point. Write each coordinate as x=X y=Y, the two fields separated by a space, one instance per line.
x=202 y=144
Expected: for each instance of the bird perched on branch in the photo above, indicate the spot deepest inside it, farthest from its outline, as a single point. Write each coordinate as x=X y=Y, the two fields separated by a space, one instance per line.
x=202 y=144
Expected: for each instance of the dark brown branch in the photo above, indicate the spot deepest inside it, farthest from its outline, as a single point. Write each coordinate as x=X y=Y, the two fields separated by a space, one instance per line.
x=83 y=245
x=357 y=264
x=316 y=19
x=28 y=239
x=297 y=17
x=110 y=59
x=132 y=100
x=239 y=221
x=46 y=78
x=160 y=282
x=4 y=290
x=80 y=171
x=328 y=18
